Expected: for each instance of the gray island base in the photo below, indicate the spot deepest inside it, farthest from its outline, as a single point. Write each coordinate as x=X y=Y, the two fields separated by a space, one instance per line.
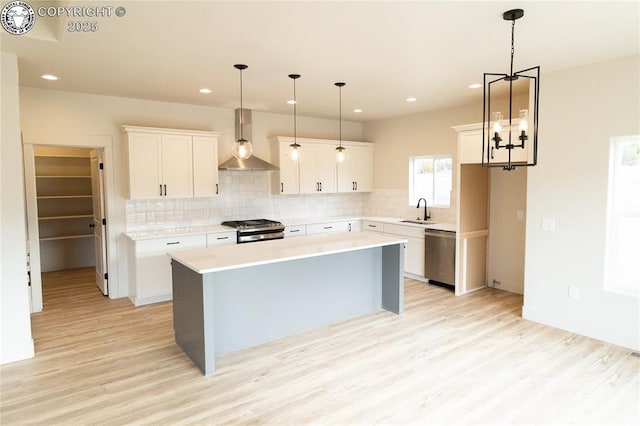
x=233 y=297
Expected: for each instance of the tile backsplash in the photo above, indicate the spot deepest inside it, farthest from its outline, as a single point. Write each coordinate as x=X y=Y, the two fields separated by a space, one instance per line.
x=247 y=195
x=394 y=203
x=243 y=195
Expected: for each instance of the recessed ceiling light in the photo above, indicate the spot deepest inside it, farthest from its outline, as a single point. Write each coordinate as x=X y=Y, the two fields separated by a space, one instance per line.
x=291 y=102
x=475 y=86
x=50 y=77
x=205 y=90
x=411 y=99
x=357 y=110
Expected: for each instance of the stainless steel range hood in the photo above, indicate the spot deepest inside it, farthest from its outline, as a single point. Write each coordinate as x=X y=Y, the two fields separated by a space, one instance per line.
x=252 y=163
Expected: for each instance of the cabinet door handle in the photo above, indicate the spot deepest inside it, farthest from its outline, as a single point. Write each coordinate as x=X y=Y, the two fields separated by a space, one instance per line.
x=356 y=185
x=216 y=189
x=349 y=227
x=92 y=225
x=165 y=190
x=161 y=190
x=492 y=153
x=281 y=187
x=320 y=186
x=173 y=243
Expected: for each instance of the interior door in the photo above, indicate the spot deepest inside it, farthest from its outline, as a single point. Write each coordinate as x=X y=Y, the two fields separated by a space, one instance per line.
x=99 y=221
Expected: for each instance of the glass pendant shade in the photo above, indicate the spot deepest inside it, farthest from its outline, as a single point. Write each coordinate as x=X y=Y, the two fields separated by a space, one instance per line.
x=242 y=149
x=340 y=155
x=294 y=151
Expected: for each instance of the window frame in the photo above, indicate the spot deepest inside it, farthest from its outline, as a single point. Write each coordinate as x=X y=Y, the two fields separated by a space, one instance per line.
x=413 y=199
x=613 y=218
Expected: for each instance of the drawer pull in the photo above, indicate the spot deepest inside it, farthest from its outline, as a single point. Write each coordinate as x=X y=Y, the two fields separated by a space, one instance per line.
x=222 y=238
x=328 y=227
x=173 y=243
x=294 y=230
x=372 y=226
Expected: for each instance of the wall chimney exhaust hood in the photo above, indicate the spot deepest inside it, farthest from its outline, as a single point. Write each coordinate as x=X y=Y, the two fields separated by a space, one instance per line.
x=252 y=163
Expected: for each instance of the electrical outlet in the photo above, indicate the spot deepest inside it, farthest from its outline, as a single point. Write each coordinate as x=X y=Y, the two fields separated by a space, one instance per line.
x=574 y=292
x=519 y=214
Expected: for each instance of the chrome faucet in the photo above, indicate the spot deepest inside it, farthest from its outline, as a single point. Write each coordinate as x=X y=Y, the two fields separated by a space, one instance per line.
x=426 y=216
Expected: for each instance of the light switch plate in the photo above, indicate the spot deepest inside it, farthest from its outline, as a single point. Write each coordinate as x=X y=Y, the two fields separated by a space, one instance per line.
x=574 y=292
x=548 y=224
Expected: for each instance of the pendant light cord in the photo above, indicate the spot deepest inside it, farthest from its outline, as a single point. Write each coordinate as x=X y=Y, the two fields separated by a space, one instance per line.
x=295 y=104
x=241 y=132
x=513 y=30
x=340 y=114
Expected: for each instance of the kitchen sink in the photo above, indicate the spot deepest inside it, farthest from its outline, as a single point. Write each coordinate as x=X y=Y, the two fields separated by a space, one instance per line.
x=419 y=222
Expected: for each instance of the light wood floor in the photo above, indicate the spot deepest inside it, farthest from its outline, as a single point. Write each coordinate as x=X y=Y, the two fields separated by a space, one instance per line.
x=465 y=360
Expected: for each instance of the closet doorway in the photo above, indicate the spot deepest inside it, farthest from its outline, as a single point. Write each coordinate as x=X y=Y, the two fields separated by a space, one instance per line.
x=67 y=215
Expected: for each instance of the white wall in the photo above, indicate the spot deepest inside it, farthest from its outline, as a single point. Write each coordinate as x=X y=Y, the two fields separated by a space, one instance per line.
x=14 y=293
x=580 y=110
x=51 y=111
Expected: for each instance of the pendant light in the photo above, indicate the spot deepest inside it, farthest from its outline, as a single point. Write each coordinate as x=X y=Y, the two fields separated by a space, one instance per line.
x=497 y=128
x=242 y=148
x=340 y=149
x=294 y=152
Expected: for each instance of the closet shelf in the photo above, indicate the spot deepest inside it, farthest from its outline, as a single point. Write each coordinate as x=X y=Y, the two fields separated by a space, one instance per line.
x=62 y=177
x=45 y=197
x=77 y=216
x=67 y=237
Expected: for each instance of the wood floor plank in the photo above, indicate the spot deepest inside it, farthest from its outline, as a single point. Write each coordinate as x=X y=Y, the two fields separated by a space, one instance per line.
x=447 y=360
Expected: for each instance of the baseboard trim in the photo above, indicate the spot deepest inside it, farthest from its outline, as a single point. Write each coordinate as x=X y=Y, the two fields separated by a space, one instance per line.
x=595 y=331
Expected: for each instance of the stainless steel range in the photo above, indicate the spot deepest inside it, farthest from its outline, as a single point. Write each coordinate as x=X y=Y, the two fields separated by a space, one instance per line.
x=249 y=231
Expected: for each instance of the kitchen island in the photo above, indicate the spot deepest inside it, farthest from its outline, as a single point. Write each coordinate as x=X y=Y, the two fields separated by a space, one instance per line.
x=232 y=297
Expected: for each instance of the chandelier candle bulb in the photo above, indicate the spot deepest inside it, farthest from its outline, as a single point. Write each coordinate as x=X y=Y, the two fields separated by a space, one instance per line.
x=523 y=126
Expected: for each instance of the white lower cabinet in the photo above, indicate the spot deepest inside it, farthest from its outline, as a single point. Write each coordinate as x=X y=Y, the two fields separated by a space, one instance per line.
x=221 y=238
x=414 y=251
x=370 y=226
x=150 y=267
x=295 y=231
x=327 y=228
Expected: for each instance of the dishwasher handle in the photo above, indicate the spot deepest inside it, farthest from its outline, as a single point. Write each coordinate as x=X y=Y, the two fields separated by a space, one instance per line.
x=439 y=234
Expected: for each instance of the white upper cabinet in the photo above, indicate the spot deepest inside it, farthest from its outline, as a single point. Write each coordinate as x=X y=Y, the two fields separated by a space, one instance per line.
x=317 y=170
x=470 y=146
x=355 y=173
x=176 y=166
x=287 y=179
x=205 y=166
x=169 y=163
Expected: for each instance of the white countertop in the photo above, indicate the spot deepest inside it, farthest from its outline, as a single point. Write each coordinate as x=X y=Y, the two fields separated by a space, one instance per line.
x=195 y=230
x=220 y=258
x=173 y=232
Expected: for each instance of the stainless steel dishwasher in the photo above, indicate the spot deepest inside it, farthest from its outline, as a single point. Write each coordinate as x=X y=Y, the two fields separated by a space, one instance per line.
x=440 y=256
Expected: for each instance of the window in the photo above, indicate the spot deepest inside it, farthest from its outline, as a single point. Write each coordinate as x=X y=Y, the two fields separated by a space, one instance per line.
x=430 y=177
x=622 y=273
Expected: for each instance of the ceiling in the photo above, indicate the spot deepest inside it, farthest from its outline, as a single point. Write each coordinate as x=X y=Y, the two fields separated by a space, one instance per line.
x=384 y=51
